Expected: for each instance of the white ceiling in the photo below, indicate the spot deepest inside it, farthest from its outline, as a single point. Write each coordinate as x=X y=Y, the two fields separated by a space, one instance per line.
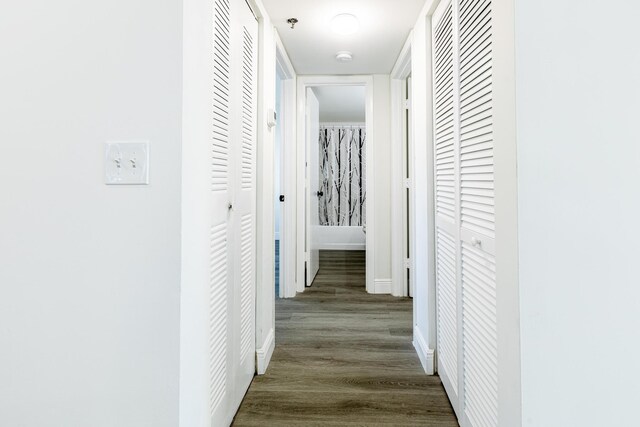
x=312 y=46
x=341 y=104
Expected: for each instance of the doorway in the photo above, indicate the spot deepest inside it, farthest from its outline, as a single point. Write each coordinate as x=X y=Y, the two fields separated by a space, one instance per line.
x=402 y=162
x=337 y=174
x=283 y=120
x=277 y=185
x=334 y=184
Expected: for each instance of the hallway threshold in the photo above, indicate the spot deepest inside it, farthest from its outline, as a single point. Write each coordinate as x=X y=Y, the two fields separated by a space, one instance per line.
x=344 y=357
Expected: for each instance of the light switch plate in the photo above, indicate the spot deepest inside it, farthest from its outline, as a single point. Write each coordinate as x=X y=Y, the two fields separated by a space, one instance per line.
x=126 y=163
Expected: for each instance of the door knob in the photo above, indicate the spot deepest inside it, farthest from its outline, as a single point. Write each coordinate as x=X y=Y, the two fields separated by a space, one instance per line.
x=320 y=193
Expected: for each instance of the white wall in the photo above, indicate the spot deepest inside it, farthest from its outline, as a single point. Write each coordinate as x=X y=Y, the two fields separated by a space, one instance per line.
x=579 y=204
x=341 y=104
x=424 y=332
x=89 y=274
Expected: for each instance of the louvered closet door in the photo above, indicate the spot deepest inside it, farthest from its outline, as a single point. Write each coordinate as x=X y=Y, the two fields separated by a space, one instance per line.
x=232 y=233
x=221 y=233
x=446 y=201
x=244 y=203
x=477 y=219
x=465 y=222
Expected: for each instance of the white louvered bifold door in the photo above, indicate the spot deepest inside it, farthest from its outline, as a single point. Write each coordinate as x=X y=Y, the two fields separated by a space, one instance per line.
x=477 y=220
x=221 y=266
x=465 y=221
x=446 y=177
x=244 y=203
x=232 y=233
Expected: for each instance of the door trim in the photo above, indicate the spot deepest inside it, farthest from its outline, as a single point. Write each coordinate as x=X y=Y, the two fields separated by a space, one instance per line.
x=305 y=82
x=269 y=66
x=288 y=170
x=399 y=74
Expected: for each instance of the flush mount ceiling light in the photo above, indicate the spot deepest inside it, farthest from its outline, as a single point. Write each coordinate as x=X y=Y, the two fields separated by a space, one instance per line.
x=345 y=24
x=344 y=56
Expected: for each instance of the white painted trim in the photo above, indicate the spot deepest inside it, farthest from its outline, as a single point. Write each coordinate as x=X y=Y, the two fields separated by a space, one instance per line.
x=429 y=212
x=264 y=353
x=342 y=247
x=401 y=71
x=506 y=198
x=397 y=133
x=305 y=82
x=422 y=213
x=272 y=60
x=402 y=67
x=425 y=354
x=265 y=223
x=382 y=286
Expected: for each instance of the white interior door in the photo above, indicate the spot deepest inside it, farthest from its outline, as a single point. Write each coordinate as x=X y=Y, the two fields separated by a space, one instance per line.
x=232 y=249
x=465 y=209
x=313 y=184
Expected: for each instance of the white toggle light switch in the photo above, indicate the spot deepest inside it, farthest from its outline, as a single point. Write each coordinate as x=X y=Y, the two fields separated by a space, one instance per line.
x=126 y=163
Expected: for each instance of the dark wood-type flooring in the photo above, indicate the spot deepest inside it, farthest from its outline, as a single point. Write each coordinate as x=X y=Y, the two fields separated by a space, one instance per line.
x=344 y=358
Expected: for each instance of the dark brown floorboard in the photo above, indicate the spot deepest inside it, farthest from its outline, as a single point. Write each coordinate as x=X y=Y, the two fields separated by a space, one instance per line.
x=344 y=358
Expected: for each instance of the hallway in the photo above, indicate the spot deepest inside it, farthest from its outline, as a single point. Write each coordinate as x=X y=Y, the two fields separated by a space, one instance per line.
x=344 y=357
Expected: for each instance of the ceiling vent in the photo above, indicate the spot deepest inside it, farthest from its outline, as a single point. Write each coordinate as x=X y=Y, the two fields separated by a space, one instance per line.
x=344 y=56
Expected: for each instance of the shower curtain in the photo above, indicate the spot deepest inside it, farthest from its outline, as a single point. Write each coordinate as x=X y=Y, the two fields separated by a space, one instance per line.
x=342 y=175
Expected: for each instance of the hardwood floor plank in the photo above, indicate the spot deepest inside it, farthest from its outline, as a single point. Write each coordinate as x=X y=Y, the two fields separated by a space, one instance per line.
x=344 y=358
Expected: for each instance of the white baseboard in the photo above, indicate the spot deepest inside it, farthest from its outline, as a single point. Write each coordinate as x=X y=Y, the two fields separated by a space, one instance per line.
x=425 y=354
x=382 y=286
x=342 y=247
x=264 y=353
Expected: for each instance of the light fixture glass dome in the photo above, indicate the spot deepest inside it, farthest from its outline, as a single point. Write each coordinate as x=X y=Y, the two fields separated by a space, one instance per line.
x=345 y=24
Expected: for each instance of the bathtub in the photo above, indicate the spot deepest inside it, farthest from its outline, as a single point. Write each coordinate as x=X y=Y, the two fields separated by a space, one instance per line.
x=340 y=238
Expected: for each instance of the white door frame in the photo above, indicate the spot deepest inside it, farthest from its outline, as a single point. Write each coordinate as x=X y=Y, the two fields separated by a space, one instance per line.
x=305 y=82
x=287 y=121
x=399 y=74
x=273 y=58
x=312 y=219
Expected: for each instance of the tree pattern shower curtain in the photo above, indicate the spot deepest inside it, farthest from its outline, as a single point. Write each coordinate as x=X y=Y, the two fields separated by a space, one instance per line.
x=342 y=175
